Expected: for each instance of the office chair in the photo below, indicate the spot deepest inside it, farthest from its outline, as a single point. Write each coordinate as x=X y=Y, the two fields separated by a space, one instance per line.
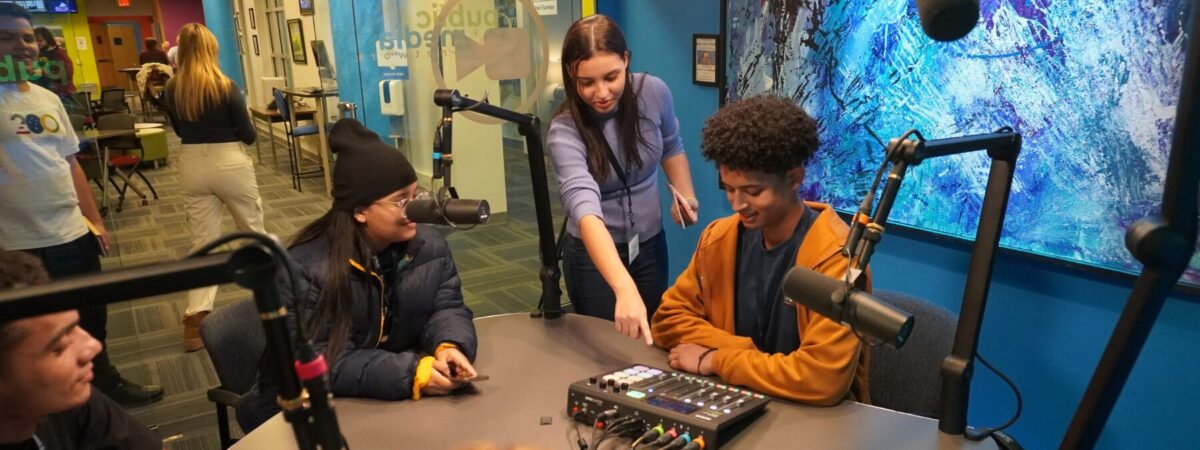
x=80 y=104
x=89 y=159
x=125 y=163
x=156 y=77
x=293 y=132
x=78 y=122
x=112 y=101
x=235 y=341
x=909 y=379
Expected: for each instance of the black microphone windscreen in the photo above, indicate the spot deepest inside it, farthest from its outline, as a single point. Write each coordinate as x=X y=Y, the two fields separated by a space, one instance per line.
x=831 y=298
x=455 y=210
x=814 y=290
x=948 y=20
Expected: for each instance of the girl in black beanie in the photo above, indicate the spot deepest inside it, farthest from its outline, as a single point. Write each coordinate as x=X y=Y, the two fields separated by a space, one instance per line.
x=382 y=297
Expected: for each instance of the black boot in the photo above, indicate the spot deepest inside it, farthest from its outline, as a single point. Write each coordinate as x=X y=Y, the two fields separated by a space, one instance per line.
x=126 y=393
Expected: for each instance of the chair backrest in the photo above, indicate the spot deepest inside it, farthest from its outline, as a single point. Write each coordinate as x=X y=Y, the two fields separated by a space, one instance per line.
x=78 y=122
x=909 y=379
x=113 y=100
x=282 y=104
x=116 y=122
x=79 y=103
x=235 y=341
x=120 y=121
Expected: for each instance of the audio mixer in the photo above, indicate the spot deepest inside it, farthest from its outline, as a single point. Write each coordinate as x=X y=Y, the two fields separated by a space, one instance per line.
x=681 y=402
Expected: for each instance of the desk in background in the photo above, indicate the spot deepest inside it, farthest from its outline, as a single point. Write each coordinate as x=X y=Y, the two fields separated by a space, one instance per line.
x=532 y=361
x=323 y=113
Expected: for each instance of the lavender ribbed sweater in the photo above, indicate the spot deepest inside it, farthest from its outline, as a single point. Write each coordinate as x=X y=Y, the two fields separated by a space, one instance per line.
x=582 y=195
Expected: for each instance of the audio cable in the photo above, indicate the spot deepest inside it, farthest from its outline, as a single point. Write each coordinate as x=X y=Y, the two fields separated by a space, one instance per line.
x=663 y=439
x=615 y=427
x=679 y=442
x=649 y=434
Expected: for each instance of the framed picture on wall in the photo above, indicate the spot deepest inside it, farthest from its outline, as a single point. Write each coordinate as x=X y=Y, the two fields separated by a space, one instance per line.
x=253 y=23
x=306 y=8
x=705 y=59
x=254 y=39
x=296 y=34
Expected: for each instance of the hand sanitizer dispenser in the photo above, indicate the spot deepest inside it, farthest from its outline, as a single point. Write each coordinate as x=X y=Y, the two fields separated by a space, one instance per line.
x=391 y=97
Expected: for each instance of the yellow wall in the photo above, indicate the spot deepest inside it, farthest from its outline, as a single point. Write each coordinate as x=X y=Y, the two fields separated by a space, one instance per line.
x=589 y=7
x=75 y=25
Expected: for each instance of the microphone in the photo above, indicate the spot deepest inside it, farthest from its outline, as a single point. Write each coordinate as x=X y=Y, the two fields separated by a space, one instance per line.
x=313 y=373
x=948 y=20
x=857 y=309
x=448 y=211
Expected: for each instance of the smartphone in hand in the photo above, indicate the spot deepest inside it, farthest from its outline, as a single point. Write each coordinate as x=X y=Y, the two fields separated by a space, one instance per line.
x=686 y=213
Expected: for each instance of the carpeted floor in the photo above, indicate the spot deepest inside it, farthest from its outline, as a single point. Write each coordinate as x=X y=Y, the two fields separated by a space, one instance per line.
x=498 y=263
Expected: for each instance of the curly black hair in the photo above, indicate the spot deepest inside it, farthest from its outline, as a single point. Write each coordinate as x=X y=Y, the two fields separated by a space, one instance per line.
x=765 y=133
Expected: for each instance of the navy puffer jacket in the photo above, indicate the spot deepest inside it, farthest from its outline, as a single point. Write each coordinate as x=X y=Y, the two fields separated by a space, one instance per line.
x=424 y=308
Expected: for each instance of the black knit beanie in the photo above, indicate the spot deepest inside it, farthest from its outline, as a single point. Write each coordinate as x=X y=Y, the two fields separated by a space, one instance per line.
x=367 y=169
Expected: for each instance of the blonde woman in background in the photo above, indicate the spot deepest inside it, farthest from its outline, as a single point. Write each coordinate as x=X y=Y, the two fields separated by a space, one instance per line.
x=209 y=114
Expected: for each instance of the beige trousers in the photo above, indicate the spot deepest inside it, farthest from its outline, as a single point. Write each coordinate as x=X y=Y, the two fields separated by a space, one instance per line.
x=212 y=176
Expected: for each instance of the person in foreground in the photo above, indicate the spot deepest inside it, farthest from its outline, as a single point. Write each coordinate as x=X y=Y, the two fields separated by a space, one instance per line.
x=381 y=295
x=48 y=208
x=726 y=313
x=45 y=379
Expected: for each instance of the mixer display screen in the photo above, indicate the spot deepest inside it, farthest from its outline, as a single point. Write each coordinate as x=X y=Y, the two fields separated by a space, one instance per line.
x=674 y=405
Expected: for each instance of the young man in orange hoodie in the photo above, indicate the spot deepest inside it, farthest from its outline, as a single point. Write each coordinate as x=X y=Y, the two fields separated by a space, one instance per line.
x=726 y=313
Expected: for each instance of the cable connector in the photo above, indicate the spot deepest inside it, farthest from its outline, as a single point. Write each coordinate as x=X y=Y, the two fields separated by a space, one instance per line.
x=679 y=442
x=665 y=438
x=697 y=444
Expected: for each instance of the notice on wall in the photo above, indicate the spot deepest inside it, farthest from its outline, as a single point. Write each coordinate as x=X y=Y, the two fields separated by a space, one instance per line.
x=546 y=7
x=391 y=54
x=81 y=43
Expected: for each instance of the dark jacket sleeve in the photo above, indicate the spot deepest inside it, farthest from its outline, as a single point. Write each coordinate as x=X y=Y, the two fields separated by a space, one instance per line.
x=169 y=101
x=451 y=319
x=101 y=423
x=239 y=116
x=374 y=373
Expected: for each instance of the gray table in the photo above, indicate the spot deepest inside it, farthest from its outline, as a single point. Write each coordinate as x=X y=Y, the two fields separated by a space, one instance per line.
x=531 y=362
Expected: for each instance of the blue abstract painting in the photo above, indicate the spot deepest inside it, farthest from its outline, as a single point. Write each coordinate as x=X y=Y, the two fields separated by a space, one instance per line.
x=1092 y=86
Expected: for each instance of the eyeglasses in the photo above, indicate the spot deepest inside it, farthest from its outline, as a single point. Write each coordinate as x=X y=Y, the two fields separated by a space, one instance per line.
x=402 y=204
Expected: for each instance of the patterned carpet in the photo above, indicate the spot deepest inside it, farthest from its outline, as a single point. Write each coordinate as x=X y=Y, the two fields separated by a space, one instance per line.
x=498 y=263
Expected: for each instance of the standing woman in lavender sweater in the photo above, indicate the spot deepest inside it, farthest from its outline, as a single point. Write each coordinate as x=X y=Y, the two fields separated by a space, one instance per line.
x=209 y=114
x=613 y=116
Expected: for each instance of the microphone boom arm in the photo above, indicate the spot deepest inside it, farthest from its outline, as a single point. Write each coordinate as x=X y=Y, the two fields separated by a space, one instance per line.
x=1164 y=244
x=1003 y=147
x=530 y=127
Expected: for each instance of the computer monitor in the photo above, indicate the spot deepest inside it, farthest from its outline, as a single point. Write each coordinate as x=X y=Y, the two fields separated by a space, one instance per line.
x=324 y=65
x=48 y=6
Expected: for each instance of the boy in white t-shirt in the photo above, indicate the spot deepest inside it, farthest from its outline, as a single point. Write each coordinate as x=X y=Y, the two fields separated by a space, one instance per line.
x=44 y=194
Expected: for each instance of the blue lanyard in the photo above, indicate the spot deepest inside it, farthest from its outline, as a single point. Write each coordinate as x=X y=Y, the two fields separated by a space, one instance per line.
x=612 y=159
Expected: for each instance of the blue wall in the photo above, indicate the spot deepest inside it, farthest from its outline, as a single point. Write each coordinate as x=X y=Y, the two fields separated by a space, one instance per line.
x=358 y=81
x=218 y=17
x=1046 y=324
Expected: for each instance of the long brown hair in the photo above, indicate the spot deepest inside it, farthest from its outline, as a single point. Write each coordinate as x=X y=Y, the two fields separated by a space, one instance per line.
x=586 y=38
x=199 y=82
x=347 y=240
